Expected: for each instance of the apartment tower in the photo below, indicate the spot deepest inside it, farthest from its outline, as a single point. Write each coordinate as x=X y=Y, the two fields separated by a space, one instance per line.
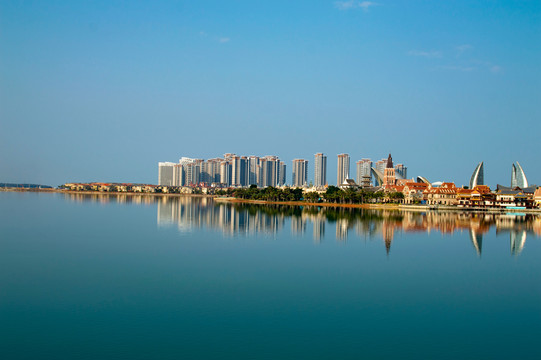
x=342 y=169
x=320 y=170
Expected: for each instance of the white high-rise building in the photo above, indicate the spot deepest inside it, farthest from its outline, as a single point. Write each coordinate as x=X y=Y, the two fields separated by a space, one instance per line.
x=342 y=169
x=320 y=170
x=225 y=173
x=253 y=170
x=165 y=173
x=239 y=170
x=272 y=171
x=300 y=173
x=363 y=169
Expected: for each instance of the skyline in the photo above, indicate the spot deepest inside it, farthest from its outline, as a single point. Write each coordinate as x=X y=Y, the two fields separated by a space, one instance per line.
x=300 y=171
x=104 y=90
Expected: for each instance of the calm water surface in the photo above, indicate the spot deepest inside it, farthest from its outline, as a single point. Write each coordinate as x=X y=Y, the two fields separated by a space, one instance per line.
x=140 y=277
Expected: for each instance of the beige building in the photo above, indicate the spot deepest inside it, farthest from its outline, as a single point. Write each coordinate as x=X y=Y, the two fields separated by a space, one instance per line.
x=443 y=195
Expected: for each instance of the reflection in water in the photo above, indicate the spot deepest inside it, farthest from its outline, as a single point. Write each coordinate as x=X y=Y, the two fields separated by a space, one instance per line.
x=518 y=239
x=188 y=213
x=477 y=240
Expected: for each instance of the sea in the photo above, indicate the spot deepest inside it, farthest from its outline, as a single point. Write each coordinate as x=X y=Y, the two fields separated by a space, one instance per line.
x=155 y=277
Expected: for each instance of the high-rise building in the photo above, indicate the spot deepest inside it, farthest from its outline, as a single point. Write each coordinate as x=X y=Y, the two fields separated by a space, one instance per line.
x=225 y=173
x=518 y=177
x=179 y=175
x=270 y=171
x=320 y=170
x=211 y=171
x=282 y=174
x=192 y=173
x=186 y=160
x=401 y=171
x=299 y=172
x=253 y=170
x=342 y=168
x=477 y=177
x=363 y=170
x=165 y=173
x=380 y=167
x=231 y=170
x=239 y=168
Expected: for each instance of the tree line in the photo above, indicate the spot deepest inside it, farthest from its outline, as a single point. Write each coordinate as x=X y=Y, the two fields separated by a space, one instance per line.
x=333 y=194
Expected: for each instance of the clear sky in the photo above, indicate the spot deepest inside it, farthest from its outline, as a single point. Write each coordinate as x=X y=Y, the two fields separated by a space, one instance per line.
x=103 y=90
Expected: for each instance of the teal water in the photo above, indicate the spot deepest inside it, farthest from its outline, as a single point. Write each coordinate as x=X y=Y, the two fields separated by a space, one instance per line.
x=119 y=277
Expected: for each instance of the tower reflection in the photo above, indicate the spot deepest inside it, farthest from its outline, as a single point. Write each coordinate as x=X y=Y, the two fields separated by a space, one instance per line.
x=192 y=212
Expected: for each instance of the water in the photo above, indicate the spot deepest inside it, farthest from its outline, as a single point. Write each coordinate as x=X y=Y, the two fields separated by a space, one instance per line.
x=141 y=277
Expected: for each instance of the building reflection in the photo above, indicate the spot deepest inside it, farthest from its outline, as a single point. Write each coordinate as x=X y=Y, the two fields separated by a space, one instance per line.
x=188 y=213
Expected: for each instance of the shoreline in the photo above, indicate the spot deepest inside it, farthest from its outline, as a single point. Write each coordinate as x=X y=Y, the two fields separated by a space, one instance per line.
x=93 y=192
x=217 y=198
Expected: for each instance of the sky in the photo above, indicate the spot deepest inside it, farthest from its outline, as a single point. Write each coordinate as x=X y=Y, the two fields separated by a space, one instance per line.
x=104 y=90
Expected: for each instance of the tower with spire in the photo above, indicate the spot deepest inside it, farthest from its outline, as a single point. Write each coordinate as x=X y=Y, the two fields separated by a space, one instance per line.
x=389 y=176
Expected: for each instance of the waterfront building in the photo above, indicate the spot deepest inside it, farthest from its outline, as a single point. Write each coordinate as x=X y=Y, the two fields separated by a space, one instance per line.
x=253 y=170
x=270 y=171
x=179 y=175
x=364 y=170
x=239 y=170
x=282 y=174
x=211 y=169
x=165 y=173
x=413 y=192
x=320 y=170
x=342 y=169
x=477 y=177
x=300 y=173
x=446 y=194
x=518 y=177
x=225 y=173
x=192 y=173
x=537 y=197
x=389 y=176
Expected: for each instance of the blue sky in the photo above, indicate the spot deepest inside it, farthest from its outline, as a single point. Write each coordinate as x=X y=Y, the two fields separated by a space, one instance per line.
x=103 y=90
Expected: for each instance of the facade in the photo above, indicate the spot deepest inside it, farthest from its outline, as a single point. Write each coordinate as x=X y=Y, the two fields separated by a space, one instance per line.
x=479 y=196
x=320 y=170
x=239 y=170
x=179 y=175
x=477 y=177
x=165 y=173
x=537 y=197
x=363 y=171
x=299 y=173
x=518 y=177
x=272 y=173
x=389 y=176
x=225 y=173
x=192 y=173
x=446 y=194
x=282 y=174
x=413 y=192
x=254 y=170
x=342 y=169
